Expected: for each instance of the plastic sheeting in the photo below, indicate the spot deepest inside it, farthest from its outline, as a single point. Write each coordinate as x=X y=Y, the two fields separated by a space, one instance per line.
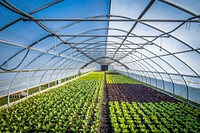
x=156 y=42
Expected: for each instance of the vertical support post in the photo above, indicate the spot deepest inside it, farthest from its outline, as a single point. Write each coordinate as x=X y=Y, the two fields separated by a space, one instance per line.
x=173 y=89
x=9 y=88
x=8 y=104
x=150 y=80
x=187 y=93
x=28 y=84
x=39 y=87
x=163 y=85
x=127 y=72
x=156 y=82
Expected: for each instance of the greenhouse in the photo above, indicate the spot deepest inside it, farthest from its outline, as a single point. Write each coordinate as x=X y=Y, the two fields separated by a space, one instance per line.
x=100 y=66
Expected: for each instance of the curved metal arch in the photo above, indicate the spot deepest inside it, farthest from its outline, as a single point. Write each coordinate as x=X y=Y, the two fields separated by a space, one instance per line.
x=64 y=73
x=170 y=52
x=77 y=68
x=146 y=68
x=174 y=53
x=88 y=65
x=45 y=73
x=149 y=51
x=72 y=63
x=40 y=40
x=150 y=69
x=140 y=71
x=53 y=57
x=172 y=37
x=104 y=58
x=59 y=29
x=61 y=74
x=139 y=67
x=61 y=66
x=162 y=59
x=47 y=60
x=92 y=30
x=158 y=72
x=46 y=36
x=32 y=12
x=60 y=70
x=169 y=74
x=141 y=74
x=104 y=16
x=58 y=61
x=167 y=50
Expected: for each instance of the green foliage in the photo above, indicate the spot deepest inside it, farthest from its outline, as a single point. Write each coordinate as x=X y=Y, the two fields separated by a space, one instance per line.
x=163 y=117
x=73 y=107
x=119 y=79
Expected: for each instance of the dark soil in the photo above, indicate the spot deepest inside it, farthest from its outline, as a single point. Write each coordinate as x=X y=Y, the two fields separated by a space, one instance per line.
x=112 y=73
x=127 y=93
x=136 y=93
x=105 y=123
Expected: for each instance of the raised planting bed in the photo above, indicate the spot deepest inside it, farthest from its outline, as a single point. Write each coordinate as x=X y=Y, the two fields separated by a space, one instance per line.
x=115 y=78
x=137 y=108
x=163 y=117
x=73 y=107
x=135 y=93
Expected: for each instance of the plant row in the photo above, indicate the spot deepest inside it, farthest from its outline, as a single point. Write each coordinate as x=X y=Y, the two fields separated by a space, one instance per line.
x=118 y=79
x=74 y=107
x=163 y=117
x=136 y=93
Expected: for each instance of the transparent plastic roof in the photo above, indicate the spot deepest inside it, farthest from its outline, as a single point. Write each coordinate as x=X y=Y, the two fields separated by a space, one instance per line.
x=47 y=37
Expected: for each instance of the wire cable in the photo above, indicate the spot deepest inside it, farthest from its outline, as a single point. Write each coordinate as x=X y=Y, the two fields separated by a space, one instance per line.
x=5 y=69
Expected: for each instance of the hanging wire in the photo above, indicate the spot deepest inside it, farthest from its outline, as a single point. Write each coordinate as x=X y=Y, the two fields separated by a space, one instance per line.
x=5 y=69
x=186 y=25
x=55 y=42
x=198 y=27
x=160 y=43
x=189 y=25
x=170 y=43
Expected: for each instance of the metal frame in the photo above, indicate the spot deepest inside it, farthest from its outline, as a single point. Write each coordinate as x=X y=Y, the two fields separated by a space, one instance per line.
x=80 y=52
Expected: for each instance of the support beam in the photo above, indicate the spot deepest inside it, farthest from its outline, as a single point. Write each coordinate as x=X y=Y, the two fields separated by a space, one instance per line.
x=92 y=35
x=33 y=70
x=39 y=50
x=135 y=24
x=33 y=12
x=79 y=43
x=114 y=20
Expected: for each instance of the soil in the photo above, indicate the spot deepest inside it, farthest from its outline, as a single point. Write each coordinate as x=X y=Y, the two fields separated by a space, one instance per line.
x=127 y=93
x=105 y=122
x=135 y=93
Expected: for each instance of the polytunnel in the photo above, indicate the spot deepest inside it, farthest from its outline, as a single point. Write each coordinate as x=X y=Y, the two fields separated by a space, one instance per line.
x=46 y=43
x=154 y=41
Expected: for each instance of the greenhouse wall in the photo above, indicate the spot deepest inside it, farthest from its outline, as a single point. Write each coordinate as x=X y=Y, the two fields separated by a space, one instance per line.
x=15 y=82
x=179 y=89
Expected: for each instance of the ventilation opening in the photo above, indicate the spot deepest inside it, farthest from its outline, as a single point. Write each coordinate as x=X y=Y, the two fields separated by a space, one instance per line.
x=104 y=67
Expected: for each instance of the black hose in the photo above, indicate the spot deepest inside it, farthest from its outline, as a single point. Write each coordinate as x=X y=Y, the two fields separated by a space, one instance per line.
x=5 y=69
